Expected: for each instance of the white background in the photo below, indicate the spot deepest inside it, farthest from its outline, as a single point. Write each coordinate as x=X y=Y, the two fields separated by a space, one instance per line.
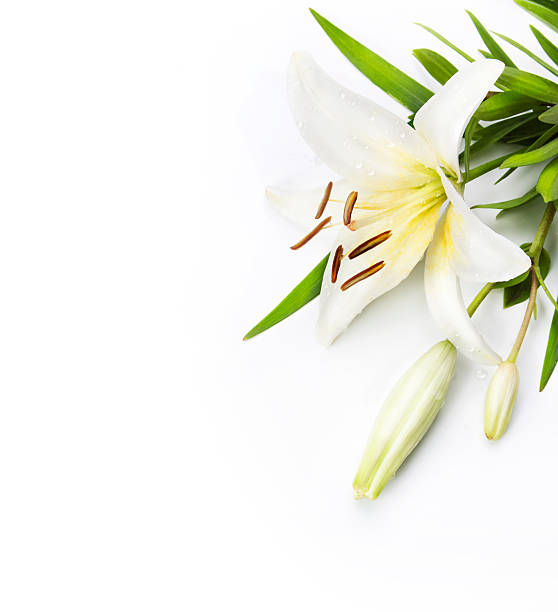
x=151 y=460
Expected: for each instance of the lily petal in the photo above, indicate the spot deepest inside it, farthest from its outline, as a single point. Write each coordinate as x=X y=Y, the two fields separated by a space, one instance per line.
x=443 y=119
x=479 y=253
x=445 y=300
x=411 y=234
x=356 y=138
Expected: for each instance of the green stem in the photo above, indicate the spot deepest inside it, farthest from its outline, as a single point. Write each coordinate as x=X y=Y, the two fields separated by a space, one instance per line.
x=526 y=319
x=474 y=173
x=545 y=288
x=478 y=299
x=536 y=277
x=542 y=233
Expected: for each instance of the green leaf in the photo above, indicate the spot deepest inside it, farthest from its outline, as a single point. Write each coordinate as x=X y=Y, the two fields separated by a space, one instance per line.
x=529 y=84
x=468 y=136
x=304 y=292
x=497 y=131
x=551 y=355
x=547 y=185
x=547 y=46
x=508 y=211
x=435 y=64
x=520 y=290
x=529 y=53
x=541 y=140
x=535 y=156
x=490 y=42
x=505 y=104
x=488 y=166
x=524 y=199
x=540 y=11
x=386 y=76
x=530 y=130
x=446 y=42
x=550 y=116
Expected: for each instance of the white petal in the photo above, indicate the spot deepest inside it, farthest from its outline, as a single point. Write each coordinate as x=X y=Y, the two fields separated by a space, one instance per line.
x=479 y=253
x=355 y=137
x=445 y=300
x=443 y=119
x=401 y=252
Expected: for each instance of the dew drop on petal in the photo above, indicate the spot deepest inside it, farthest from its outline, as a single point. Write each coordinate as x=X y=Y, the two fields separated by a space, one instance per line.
x=480 y=374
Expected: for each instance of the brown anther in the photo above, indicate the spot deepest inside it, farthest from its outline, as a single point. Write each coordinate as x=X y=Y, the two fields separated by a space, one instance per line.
x=362 y=275
x=336 y=263
x=325 y=200
x=369 y=244
x=349 y=205
x=311 y=234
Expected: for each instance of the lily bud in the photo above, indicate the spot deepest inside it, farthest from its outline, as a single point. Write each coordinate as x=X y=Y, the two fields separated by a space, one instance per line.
x=500 y=399
x=405 y=417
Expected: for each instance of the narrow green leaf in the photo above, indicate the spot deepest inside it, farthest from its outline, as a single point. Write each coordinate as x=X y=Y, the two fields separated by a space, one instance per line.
x=386 y=76
x=550 y=116
x=304 y=292
x=435 y=64
x=529 y=53
x=541 y=140
x=535 y=156
x=530 y=195
x=490 y=42
x=488 y=166
x=468 y=136
x=510 y=211
x=529 y=84
x=547 y=46
x=519 y=292
x=486 y=54
x=446 y=42
x=547 y=185
x=505 y=104
x=551 y=355
x=497 y=131
x=529 y=130
x=542 y=12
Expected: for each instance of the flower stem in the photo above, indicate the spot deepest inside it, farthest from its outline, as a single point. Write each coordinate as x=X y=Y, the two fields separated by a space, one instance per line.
x=478 y=299
x=545 y=288
x=542 y=232
x=526 y=319
x=536 y=277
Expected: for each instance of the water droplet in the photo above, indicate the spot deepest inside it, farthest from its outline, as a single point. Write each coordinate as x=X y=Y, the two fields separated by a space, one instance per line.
x=342 y=95
x=402 y=135
x=359 y=165
x=299 y=124
x=480 y=374
x=372 y=172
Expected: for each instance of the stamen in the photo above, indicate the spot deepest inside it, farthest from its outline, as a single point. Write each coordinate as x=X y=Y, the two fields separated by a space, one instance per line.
x=325 y=200
x=369 y=244
x=349 y=205
x=311 y=234
x=362 y=275
x=336 y=263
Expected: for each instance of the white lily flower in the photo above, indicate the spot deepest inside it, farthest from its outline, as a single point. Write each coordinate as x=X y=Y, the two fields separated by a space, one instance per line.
x=500 y=399
x=388 y=203
x=405 y=417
